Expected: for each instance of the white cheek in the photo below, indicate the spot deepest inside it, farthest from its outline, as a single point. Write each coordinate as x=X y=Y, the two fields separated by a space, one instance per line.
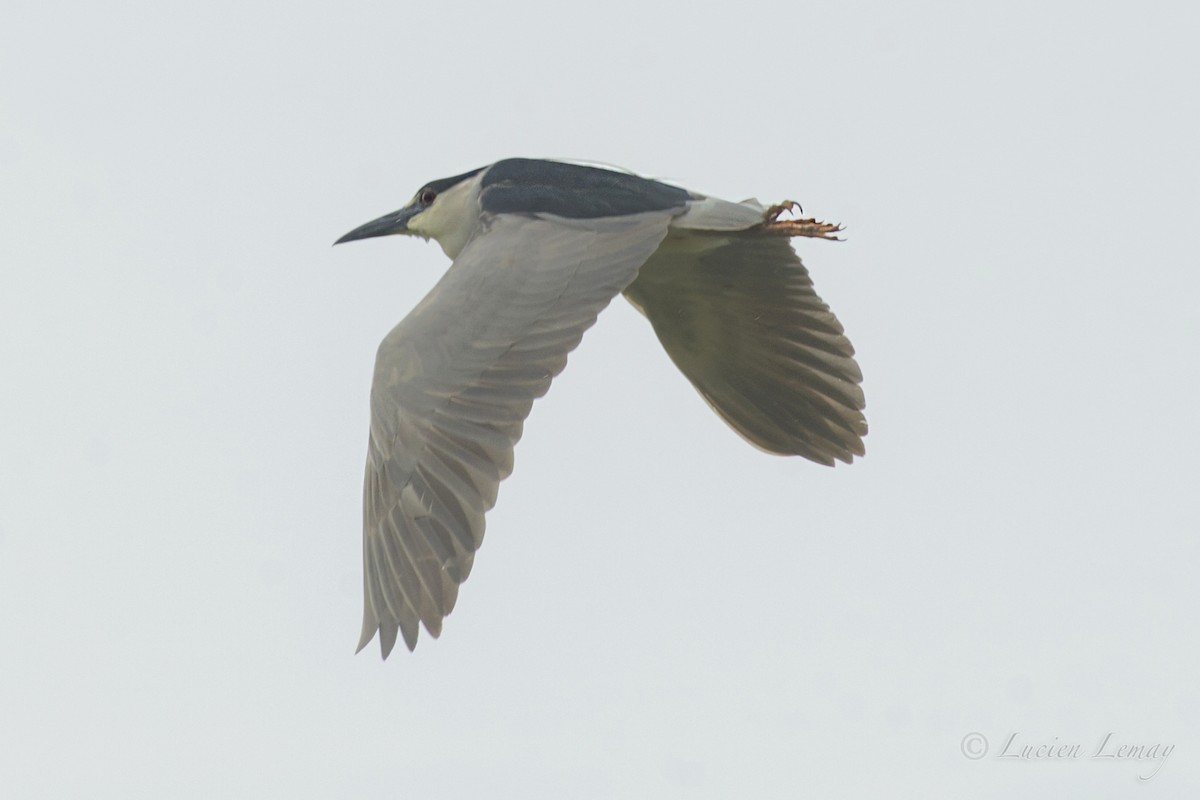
x=420 y=225
x=451 y=219
x=437 y=220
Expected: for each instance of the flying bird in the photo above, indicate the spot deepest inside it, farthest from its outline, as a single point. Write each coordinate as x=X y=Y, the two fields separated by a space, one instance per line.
x=539 y=248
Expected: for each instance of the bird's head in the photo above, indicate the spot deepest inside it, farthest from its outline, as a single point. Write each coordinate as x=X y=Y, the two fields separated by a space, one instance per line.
x=446 y=210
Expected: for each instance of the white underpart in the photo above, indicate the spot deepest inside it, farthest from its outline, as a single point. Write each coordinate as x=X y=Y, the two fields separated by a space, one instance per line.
x=713 y=214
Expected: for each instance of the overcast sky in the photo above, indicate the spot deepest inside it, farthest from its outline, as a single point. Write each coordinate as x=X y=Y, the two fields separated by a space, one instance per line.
x=658 y=610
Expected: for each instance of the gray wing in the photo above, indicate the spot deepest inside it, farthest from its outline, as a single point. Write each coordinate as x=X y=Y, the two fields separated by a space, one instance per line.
x=738 y=315
x=453 y=384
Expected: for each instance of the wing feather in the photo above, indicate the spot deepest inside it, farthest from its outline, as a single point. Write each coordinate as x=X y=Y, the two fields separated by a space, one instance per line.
x=737 y=313
x=453 y=384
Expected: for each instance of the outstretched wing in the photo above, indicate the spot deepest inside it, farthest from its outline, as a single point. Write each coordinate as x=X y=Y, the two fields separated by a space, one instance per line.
x=737 y=313
x=453 y=384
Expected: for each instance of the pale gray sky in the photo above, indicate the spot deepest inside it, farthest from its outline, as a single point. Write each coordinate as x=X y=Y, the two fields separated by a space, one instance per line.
x=659 y=610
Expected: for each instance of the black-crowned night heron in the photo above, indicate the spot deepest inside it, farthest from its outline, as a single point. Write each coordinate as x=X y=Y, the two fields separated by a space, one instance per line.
x=539 y=249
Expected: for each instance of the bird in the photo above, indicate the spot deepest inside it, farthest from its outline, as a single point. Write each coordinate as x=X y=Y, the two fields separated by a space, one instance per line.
x=539 y=248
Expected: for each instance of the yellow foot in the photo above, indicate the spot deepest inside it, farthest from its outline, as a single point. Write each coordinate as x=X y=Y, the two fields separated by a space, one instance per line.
x=802 y=227
x=796 y=227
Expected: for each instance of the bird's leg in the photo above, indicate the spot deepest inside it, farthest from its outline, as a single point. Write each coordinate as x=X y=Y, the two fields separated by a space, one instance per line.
x=796 y=227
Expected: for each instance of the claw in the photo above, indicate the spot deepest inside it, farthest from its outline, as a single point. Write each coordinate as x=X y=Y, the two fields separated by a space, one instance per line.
x=772 y=213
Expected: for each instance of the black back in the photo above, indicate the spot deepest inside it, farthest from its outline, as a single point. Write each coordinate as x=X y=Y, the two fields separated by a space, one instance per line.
x=526 y=185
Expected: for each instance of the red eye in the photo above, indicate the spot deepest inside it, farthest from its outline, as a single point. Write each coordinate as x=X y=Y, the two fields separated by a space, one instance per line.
x=428 y=196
